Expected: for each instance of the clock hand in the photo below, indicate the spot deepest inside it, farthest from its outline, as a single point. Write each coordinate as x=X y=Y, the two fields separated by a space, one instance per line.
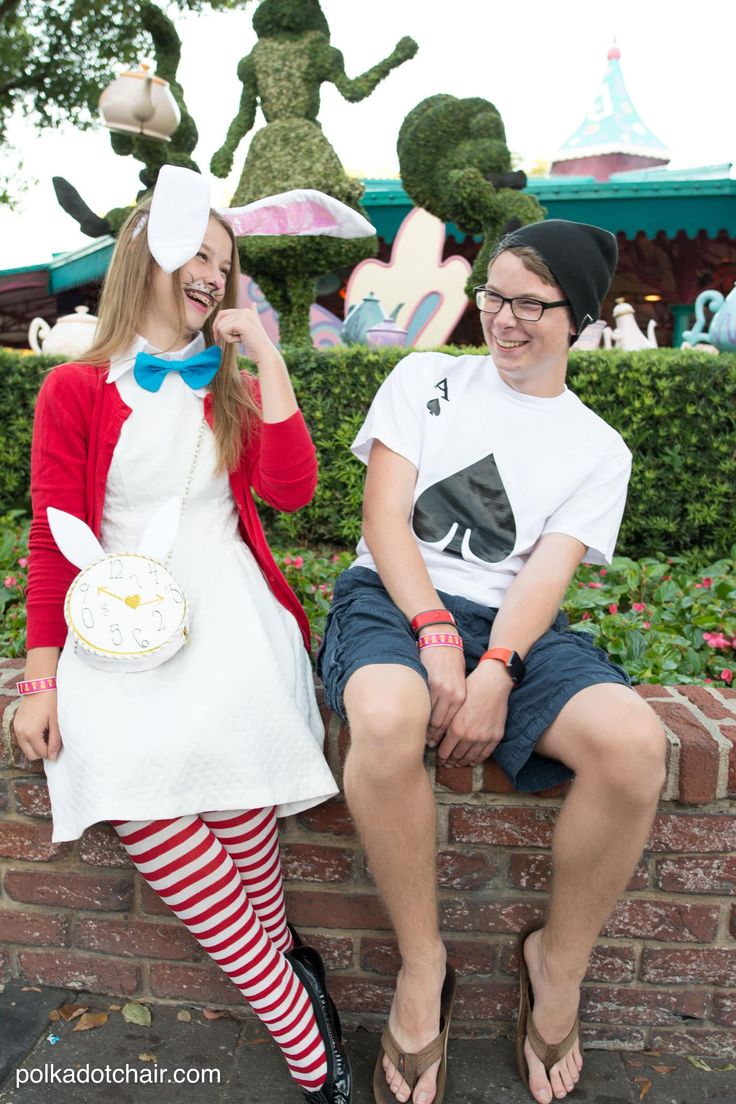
x=104 y=590
x=152 y=601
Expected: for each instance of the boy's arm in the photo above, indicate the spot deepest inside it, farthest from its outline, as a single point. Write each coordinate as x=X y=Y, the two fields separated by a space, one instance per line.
x=387 y=505
x=529 y=607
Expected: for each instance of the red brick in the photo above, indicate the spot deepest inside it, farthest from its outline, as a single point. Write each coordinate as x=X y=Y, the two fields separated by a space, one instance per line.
x=503 y=825
x=110 y=892
x=33 y=928
x=607 y=963
x=4 y=796
x=30 y=841
x=732 y=922
x=705 y=1042
x=136 y=939
x=607 y=1037
x=495 y=780
x=337 y=951
x=310 y=862
x=100 y=846
x=79 y=971
x=706 y=701
x=457 y=779
x=529 y=870
x=724 y=1009
x=673 y=923
x=658 y=1007
x=32 y=797
x=361 y=994
x=729 y=731
x=696 y=965
x=488 y=916
x=699 y=757
x=336 y=910
x=466 y=869
x=381 y=956
x=151 y=902
x=197 y=984
x=694 y=833
x=727 y=692
x=486 y=1001
x=332 y=817
x=698 y=875
x=646 y=691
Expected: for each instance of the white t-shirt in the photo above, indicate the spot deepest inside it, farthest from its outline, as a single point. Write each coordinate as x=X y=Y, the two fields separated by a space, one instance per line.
x=497 y=470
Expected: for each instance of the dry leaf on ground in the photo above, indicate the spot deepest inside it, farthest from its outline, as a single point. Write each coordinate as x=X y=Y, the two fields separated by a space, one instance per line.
x=71 y=1011
x=30 y=989
x=184 y=1016
x=213 y=1014
x=137 y=1014
x=90 y=1020
x=146 y=1057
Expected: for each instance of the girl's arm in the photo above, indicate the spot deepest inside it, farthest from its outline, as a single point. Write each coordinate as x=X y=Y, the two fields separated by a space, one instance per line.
x=35 y=723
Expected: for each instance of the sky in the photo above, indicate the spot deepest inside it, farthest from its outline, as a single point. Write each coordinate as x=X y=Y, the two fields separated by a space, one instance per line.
x=540 y=63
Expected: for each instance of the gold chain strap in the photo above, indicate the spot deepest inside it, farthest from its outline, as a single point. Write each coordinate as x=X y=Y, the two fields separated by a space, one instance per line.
x=190 y=477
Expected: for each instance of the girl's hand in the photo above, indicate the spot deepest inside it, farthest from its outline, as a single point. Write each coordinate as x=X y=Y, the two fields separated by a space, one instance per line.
x=244 y=326
x=37 y=727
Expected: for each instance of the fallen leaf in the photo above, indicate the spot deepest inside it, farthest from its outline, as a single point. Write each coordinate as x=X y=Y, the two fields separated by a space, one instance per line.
x=184 y=1016
x=212 y=1014
x=30 y=989
x=653 y=1053
x=137 y=1014
x=663 y=1069
x=146 y=1057
x=699 y=1063
x=646 y=1086
x=54 y=1015
x=724 y=1069
x=71 y=1011
x=90 y=1020
x=634 y=1062
x=114 y=1007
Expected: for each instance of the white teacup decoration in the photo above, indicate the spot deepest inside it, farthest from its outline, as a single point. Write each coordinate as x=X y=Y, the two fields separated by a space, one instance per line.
x=125 y=611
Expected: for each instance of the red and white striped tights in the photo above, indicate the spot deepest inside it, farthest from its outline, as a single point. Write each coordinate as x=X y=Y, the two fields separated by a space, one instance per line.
x=220 y=873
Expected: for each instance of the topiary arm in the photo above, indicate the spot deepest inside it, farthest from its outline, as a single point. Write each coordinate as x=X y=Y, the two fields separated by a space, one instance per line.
x=354 y=89
x=222 y=160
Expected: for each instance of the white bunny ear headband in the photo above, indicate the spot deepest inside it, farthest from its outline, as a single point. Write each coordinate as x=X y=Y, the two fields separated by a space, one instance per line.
x=180 y=210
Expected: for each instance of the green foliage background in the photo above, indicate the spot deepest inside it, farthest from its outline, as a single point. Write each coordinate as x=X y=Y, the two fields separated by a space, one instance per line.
x=676 y=411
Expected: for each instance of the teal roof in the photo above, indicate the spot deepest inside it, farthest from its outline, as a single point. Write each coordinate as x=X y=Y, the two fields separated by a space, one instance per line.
x=612 y=125
x=82 y=266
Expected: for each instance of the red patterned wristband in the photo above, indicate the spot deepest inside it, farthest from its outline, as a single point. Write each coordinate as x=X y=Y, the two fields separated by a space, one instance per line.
x=440 y=640
x=35 y=686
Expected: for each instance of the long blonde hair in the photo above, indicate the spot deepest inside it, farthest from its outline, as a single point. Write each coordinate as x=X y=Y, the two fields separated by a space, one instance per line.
x=125 y=297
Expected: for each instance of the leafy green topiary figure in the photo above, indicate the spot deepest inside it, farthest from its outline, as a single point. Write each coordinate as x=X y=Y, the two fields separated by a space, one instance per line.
x=283 y=73
x=455 y=163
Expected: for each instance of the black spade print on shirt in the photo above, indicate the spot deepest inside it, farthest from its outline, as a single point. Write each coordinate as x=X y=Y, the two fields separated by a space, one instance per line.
x=472 y=508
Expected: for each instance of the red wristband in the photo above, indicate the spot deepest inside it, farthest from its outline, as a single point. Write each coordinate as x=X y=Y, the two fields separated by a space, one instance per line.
x=431 y=617
x=440 y=640
x=511 y=660
x=35 y=686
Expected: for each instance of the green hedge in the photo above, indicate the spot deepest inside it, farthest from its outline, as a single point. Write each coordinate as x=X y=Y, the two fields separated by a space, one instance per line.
x=676 y=411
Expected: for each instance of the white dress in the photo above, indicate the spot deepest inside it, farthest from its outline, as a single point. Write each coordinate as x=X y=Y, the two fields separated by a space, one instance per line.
x=230 y=721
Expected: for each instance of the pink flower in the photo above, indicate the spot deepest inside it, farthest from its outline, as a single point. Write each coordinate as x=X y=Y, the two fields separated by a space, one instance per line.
x=23 y=561
x=646 y=624
x=287 y=559
x=707 y=582
x=613 y=608
x=603 y=571
x=727 y=674
x=595 y=586
x=638 y=607
x=298 y=561
x=709 y=680
x=698 y=586
x=335 y=558
x=585 y=616
x=10 y=581
x=716 y=640
x=666 y=578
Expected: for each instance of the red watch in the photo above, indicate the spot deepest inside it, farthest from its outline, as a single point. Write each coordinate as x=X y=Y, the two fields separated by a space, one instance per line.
x=512 y=661
x=431 y=617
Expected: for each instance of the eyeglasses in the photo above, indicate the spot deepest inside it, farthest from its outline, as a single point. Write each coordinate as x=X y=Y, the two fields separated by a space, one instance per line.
x=522 y=307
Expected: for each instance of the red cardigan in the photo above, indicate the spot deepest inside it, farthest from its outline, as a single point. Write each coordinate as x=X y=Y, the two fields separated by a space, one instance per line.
x=77 y=424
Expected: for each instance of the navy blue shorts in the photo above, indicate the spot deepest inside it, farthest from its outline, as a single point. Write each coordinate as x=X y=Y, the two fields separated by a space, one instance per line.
x=365 y=626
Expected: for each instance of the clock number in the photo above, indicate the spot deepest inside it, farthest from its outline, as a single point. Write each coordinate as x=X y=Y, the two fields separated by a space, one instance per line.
x=142 y=643
x=117 y=636
x=136 y=580
x=116 y=569
x=83 y=587
x=176 y=593
x=87 y=617
x=153 y=570
x=160 y=627
x=105 y=610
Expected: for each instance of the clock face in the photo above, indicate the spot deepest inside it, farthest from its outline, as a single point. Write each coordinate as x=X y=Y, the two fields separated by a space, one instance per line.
x=126 y=605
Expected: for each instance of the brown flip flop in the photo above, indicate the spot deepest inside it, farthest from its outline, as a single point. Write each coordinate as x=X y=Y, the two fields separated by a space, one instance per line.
x=412 y=1066
x=547 y=1053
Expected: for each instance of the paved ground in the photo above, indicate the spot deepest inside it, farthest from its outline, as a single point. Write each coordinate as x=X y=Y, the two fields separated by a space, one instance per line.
x=248 y=1069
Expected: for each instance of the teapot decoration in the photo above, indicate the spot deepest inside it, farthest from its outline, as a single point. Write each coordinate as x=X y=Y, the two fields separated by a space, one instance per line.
x=626 y=334
x=592 y=335
x=139 y=102
x=360 y=318
x=71 y=337
x=387 y=331
x=721 y=334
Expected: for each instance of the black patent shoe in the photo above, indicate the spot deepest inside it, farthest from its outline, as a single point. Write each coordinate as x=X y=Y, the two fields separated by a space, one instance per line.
x=309 y=968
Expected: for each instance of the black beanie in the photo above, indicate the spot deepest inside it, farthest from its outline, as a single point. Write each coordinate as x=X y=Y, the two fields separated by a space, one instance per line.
x=581 y=258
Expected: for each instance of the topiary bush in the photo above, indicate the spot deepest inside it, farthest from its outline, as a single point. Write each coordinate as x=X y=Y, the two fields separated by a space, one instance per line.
x=675 y=409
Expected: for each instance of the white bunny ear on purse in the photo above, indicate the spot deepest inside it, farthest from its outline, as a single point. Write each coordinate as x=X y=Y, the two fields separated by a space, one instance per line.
x=160 y=533
x=299 y=212
x=180 y=211
x=74 y=538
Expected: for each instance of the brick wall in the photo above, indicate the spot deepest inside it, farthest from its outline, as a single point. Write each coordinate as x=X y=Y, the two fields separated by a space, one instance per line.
x=663 y=975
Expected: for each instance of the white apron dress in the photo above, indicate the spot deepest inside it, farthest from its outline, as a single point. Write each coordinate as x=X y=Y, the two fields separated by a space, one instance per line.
x=230 y=721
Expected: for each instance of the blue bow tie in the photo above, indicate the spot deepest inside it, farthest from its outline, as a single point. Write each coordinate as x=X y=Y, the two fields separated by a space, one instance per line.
x=197 y=370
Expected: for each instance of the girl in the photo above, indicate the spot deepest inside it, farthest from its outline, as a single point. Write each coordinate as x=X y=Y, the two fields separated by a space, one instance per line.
x=191 y=762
